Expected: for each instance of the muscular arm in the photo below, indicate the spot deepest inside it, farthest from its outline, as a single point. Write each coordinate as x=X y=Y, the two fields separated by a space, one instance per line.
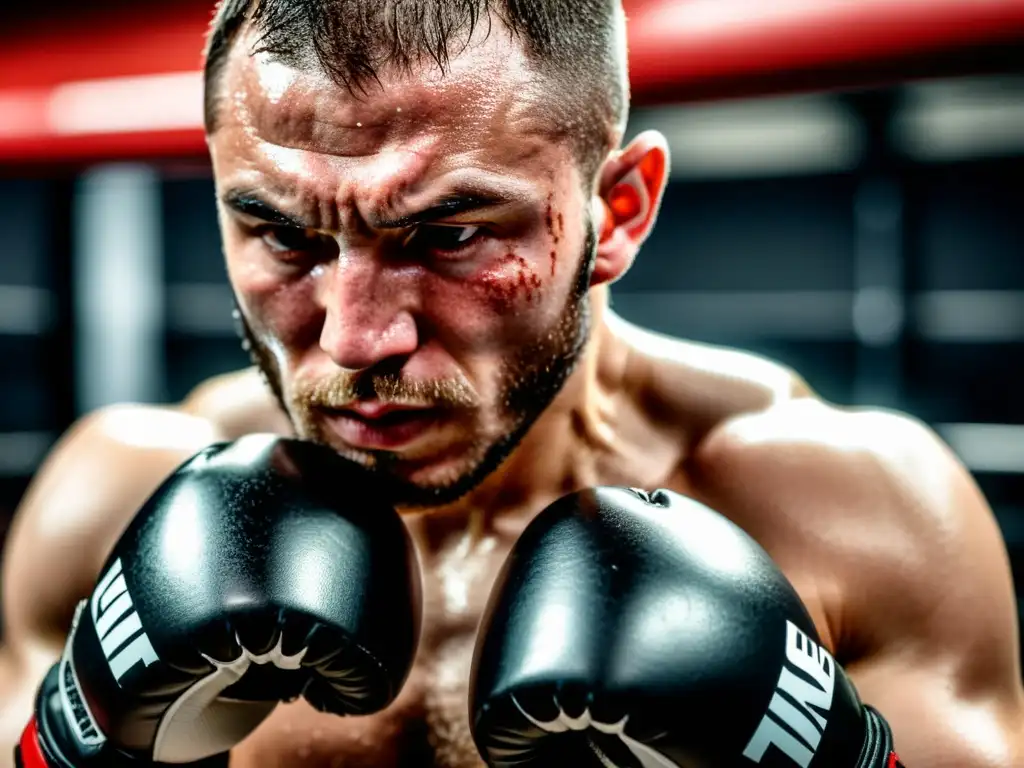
x=888 y=538
x=944 y=663
x=98 y=475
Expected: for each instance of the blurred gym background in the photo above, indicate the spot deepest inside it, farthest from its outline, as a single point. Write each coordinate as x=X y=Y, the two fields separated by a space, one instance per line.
x=845 y=198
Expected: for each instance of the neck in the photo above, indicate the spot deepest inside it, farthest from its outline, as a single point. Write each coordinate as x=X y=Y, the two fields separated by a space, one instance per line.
x=557 y=456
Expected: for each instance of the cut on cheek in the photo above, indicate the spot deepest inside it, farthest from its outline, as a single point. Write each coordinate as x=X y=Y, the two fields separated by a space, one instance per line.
x=510 y=284
x=555 y=223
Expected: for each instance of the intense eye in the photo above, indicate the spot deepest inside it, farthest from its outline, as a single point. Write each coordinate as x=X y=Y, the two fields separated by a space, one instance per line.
x=445 y=238
x=283 y=240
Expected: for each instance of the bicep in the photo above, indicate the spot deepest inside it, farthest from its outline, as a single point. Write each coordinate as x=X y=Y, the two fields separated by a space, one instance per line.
x=922 y=607
x=74 y=510
x=87 y=490
x=44 y=572
x=47 y=559
x=937 y=624
x=933 y=723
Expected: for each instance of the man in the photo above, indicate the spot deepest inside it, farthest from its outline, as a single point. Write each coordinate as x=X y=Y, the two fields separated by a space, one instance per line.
x=423 y=206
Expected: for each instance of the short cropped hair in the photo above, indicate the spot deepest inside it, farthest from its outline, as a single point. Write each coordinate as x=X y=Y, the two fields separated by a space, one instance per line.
x=576 y=45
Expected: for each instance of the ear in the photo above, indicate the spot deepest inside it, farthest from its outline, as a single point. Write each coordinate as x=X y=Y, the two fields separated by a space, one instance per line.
x=630 y=189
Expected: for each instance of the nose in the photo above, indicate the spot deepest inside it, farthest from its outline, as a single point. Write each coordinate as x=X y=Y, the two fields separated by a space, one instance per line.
x=368 y=317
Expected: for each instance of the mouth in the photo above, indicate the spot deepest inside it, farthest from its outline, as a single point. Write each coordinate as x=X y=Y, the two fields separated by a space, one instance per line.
x=382 y=426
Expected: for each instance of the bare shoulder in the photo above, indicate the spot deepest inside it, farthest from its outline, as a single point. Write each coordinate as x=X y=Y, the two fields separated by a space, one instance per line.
x=893 y=527
x=95 y=478
x=238 y=403
x=92 y=482
x=701 y=385
x=886 y=467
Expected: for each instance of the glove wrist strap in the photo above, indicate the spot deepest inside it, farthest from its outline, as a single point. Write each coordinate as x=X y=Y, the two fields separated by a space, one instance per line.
x=878 y=751
x=47 y=742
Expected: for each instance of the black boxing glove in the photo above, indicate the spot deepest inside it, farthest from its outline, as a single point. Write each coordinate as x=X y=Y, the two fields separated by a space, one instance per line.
x=628 y=630
x=260 y=571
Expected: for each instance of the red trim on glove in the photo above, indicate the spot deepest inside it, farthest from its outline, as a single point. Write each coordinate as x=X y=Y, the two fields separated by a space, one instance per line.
x=894 y=761
x=31 y=752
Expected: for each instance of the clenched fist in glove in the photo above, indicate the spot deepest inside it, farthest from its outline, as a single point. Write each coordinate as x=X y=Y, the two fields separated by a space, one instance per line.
x=649 y=631
x=260 y=571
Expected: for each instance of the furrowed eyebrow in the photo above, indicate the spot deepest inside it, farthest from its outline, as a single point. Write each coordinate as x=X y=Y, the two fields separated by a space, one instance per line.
x=248 y=204
x=449 y=206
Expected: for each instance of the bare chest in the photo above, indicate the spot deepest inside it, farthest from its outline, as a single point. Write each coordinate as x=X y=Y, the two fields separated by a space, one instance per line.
x=428 y=725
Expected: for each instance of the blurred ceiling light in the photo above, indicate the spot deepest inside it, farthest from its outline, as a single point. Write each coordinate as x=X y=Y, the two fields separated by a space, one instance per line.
x=714 y=15
x=873 y=316
x=878 y=316
x=961 y=120
x=770 y=137
x=26 y=310
x=21 y=452
x=970 y=316
x=808 y=315
x=200 y=309
x=118 y=288
x=996 y=448
x=22 y=112
x=126 y=104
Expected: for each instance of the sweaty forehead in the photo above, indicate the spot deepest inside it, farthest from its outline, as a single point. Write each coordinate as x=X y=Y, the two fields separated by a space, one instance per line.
x=487 y=92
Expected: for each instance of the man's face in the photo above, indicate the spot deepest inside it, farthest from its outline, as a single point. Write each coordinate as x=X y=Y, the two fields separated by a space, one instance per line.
x=411 y=266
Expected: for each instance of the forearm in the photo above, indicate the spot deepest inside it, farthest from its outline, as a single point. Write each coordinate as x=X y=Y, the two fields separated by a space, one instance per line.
x=15 y=705
x=20 y=675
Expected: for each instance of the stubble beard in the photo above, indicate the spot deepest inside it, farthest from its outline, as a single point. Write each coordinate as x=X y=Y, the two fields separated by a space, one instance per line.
x=529 y=382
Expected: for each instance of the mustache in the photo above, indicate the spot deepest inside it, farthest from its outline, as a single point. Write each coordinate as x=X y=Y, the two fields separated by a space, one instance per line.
x=342 y=390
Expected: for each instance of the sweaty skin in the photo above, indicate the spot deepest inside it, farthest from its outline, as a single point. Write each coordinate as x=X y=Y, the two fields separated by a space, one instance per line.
x=883 y=533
